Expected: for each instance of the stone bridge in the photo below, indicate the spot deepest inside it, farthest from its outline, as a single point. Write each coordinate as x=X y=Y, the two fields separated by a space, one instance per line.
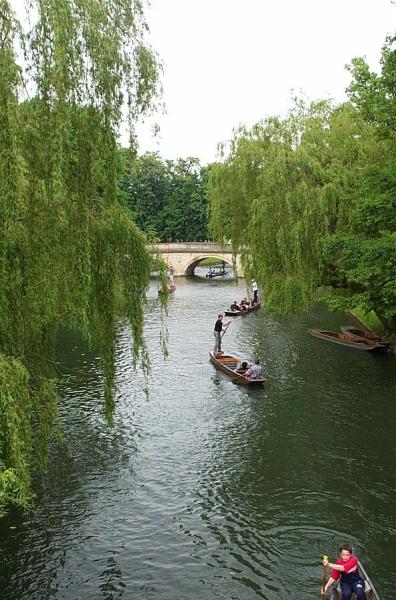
x=185 y=256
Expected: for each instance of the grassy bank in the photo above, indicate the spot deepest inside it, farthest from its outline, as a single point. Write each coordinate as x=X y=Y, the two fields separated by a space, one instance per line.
x=370 y=320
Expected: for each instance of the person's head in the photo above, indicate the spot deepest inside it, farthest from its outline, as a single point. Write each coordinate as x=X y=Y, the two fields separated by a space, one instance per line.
x=220 y=317
x=244 y=365
x=345 y=552
x=257 y=362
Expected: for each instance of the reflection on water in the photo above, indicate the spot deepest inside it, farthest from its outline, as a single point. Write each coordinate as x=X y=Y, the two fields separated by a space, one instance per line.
x=206 y=489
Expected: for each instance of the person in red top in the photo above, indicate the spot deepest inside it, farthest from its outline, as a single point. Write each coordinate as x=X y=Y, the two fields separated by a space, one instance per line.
x=346 y=568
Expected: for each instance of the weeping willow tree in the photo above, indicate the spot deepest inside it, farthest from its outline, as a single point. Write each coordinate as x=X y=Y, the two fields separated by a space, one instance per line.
x=70 y=255
x=284 y=189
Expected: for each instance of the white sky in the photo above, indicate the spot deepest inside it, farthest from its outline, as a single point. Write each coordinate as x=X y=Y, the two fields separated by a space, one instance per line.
x=228 y=62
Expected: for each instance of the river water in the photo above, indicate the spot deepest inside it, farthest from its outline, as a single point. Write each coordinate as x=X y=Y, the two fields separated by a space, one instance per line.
x=207 y=490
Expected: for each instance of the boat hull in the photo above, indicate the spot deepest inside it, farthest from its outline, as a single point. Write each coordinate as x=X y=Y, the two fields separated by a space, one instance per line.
x=228 y=363
x=361 y=334
x=242 y=313
x=346 y=341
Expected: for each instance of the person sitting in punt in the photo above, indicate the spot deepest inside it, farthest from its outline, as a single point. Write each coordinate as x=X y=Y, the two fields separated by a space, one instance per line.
x=254 y=372
x=244 y=301
x=242 y=367
x=346 y=569
x=235 y=306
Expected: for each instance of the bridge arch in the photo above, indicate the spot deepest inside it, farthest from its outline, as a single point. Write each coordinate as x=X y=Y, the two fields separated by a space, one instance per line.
x=194 y=262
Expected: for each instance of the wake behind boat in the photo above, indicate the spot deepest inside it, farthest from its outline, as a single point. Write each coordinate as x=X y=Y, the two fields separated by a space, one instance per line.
x=229 y=364
x=347 y=340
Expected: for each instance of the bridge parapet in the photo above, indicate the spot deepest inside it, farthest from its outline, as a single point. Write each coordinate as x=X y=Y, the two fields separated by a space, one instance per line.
x=191 y=247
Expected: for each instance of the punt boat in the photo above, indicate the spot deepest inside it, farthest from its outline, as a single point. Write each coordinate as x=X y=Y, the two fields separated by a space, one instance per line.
x=346 y=340
x=240 y=313
x=363 y=334
x=370 y=591
x=229 y=363
x=212 y=274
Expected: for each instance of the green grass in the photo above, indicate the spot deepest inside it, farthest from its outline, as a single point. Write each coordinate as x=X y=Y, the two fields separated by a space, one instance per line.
x=209 y=261
x=369 y=319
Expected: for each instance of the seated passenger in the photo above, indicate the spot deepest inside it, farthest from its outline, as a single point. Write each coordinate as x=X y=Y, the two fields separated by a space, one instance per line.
x=242 y=368
x=254 y=372
x=235 y=306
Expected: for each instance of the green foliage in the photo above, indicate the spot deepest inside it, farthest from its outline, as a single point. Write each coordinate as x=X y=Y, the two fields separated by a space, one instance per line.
x=70 y=253
x=168 y=199
x=310 y=199
x=15 y=433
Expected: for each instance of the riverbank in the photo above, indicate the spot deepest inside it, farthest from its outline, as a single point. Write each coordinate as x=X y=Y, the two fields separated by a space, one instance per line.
x=371 y=322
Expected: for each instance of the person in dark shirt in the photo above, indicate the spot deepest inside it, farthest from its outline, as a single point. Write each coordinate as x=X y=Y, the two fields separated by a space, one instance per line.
x=219 y=329
x=235 y=306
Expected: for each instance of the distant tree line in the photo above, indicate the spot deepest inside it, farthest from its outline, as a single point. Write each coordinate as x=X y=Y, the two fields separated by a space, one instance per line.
x=167 y=199
x=312 y=198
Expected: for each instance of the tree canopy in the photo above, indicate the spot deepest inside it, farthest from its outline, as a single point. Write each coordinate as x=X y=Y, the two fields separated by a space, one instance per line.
x=70 y=254
x=167 y=198
x=310 y=198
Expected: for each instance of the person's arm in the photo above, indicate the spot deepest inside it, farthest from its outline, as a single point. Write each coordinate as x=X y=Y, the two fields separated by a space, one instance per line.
x=329 y=583
x=345 y=568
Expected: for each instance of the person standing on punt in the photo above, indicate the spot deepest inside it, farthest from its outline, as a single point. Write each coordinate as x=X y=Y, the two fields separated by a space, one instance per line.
x=219 y=329
x=255 y=291
x=346 y=567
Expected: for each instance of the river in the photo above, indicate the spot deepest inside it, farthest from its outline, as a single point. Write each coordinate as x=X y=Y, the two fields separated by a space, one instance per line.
x=204 y=489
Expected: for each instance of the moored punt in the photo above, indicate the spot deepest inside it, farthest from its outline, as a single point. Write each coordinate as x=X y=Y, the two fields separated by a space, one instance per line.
x=347 y=340
x=229 y=363
x=362 y=334
x=240 y=313
x=369 y=589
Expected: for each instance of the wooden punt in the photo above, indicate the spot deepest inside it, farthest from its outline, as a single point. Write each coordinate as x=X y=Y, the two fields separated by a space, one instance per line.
x=216 y=274
x=347 y=340
x=363 y=334
x=241 y=313
x=369 y=589
x=228 y=363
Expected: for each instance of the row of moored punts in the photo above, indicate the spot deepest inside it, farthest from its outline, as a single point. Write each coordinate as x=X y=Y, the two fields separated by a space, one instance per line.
x=353 y=337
